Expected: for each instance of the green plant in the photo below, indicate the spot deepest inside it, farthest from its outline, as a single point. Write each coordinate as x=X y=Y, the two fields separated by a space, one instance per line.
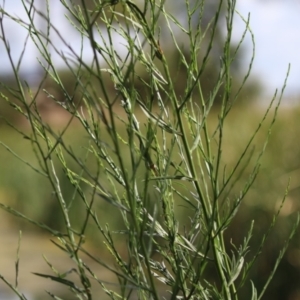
x=158 y=161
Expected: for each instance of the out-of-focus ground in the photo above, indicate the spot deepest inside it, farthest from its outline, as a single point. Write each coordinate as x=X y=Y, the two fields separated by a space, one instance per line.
x=34 y=248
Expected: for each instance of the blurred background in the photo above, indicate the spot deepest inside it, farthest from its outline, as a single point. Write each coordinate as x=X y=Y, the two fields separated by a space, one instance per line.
x=276 y=27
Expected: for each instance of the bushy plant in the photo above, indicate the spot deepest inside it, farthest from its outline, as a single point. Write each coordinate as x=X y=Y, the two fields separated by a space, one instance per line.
x=152 y=157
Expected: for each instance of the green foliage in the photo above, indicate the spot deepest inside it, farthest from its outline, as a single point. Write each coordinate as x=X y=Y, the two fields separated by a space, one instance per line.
x=154 y=158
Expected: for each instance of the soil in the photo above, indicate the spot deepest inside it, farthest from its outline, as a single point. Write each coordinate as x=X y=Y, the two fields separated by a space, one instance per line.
x=33 y=248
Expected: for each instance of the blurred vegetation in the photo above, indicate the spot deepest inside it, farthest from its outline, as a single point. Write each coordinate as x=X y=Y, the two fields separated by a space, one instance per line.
x=212 y=43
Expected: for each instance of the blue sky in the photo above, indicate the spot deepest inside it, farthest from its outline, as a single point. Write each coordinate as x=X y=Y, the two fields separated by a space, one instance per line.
x=275 y=24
